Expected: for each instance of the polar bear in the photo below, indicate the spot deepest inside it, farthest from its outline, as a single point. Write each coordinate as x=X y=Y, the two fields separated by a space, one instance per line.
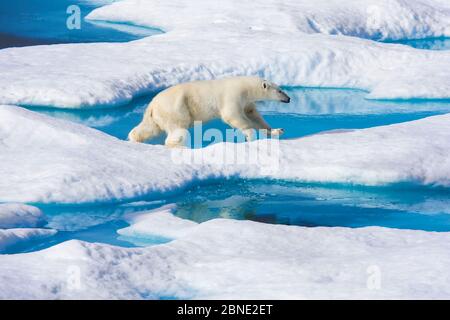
x=175 y=109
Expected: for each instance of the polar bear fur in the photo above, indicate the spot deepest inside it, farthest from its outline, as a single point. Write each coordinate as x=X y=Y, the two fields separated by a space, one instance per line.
x=175 y=109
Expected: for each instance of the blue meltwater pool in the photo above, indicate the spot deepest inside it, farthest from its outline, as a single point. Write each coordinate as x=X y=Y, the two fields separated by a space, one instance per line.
x=426 y=44
x=311 y=110
x=29 y=22
x=268 y=201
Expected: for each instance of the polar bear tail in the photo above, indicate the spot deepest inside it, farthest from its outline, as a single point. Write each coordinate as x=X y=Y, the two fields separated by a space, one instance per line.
x=145 y=130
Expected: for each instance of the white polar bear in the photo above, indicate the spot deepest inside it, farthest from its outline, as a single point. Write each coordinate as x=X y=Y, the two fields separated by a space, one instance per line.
x=175 y=109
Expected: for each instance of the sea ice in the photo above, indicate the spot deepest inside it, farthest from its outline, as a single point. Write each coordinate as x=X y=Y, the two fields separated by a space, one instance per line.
x=293 y=44
x=159 y=222
x=224 y=258
x=12 y=237
x=83 y=165
x=18 y=215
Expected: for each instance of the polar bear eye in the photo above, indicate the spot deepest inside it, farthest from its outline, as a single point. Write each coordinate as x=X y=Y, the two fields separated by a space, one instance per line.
x=264 y=85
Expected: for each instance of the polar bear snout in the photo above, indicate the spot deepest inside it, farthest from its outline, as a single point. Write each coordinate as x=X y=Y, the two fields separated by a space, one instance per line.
x=274 y=93
x=284 y=97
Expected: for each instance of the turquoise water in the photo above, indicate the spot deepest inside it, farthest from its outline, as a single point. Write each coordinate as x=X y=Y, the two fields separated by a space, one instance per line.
x=24 y=22
x=311 y=111
x=427 y=44
x=277 y=202
x=318 y=204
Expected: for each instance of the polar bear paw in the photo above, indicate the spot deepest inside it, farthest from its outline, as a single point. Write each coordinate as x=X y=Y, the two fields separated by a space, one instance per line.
x=276 y=132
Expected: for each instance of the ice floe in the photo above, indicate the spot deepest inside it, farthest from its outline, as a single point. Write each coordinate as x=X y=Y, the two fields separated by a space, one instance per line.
x=159 y=222
x=20 y=223
x=76 y=218
x=51 y=160
x=15 y=236
x=226 y=258
x=373 y=19
x=18 y=215
x=289 y=43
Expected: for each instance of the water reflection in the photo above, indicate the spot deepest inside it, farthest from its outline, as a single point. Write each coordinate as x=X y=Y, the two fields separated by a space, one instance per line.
x=318 y=205
x=276 y=202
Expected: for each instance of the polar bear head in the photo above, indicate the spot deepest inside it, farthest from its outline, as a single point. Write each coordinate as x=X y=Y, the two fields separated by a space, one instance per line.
x=271 y=91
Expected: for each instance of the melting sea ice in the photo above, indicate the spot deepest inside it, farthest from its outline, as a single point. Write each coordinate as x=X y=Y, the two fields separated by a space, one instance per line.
x=311 y=111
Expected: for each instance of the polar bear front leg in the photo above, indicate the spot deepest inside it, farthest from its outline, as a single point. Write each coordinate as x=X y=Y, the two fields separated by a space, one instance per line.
x=238 y=120
x=259 y=122
x=249 y=134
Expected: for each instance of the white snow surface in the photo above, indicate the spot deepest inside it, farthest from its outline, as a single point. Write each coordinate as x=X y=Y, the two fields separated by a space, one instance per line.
x=230 y=259
x=159 y=222
x=53 y=160
x=293 y=43
x=18 y=215
x=372 y=19
x=20 y=223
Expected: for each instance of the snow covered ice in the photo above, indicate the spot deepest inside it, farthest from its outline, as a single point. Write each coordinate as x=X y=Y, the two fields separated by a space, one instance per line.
x=20 y=223
x=284 y=45
x=159 y=223
x=17 y=215
x=15 y=236
x=372 y=19
x=336 y=44
x=232 y=254
x=95 y=167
